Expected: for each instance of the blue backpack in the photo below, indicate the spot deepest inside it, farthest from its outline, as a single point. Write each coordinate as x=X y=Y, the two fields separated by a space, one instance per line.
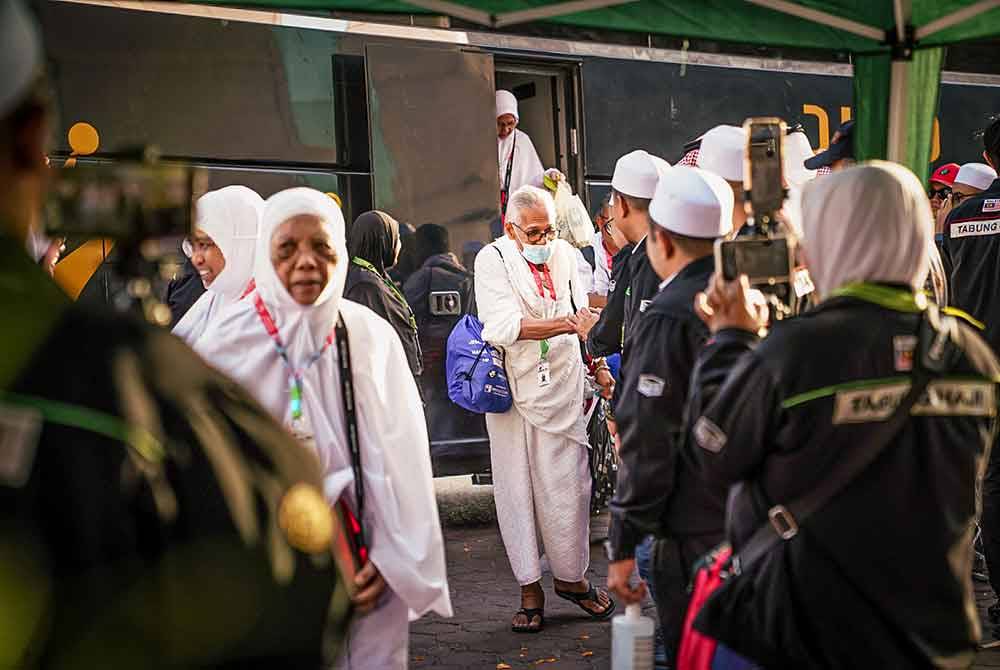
x=477 y=380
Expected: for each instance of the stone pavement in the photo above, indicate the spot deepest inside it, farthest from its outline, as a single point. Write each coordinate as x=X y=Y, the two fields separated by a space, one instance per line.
x=485 y=597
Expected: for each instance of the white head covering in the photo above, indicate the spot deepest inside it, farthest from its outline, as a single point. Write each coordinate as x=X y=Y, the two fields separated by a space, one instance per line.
x=507 y=104
x=722 y=151
x=231 y=217
x=21 y=55
x=693 y=202
x=321 y=315
x=637 y=173
x=400 y=515
x=976 y=175
x=867 y=223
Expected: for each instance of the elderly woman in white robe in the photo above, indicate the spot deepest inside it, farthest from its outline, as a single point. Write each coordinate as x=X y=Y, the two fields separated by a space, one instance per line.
x=538 y=449
x=227 y=219
x=284 y=343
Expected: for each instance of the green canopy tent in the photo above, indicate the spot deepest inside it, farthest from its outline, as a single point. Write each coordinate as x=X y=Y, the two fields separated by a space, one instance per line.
x=897 y=45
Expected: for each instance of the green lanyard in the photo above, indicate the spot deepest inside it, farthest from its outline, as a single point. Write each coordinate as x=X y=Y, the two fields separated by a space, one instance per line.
x=362 y=263
x=897 y=299
x=92 y=420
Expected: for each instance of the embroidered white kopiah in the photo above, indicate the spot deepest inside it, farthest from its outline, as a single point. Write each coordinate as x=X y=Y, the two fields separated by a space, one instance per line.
x=974 y=228
x=942 y=398
x=651 y=386
x=709 y=436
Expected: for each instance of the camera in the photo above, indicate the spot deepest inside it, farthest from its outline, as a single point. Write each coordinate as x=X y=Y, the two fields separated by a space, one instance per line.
x=763 y=252
x=142 y=208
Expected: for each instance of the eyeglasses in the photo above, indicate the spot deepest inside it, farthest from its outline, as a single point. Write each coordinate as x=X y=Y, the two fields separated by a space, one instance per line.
x=941 y=194
x=536 y=236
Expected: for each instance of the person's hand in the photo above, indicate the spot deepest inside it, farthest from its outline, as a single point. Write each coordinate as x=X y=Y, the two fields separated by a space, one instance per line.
x=619 y=582
x=584 y=321
x=606 y=381
x=731 y=304
x=370 y=585
x=555 y=175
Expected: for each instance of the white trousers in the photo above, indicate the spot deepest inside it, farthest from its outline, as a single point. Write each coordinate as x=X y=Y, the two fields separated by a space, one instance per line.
x=541 y=486
x=379 y=640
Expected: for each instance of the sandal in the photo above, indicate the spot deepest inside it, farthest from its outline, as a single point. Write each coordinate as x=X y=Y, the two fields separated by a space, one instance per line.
x=530 y=613
x=590 y=595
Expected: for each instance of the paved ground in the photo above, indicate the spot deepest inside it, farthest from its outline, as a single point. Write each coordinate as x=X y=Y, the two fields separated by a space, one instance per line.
x=485 y=596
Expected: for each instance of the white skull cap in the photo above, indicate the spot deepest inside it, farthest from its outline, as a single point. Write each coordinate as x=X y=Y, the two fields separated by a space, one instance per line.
x=637 y=173
x=976 y=175
x=693 y=202
x=722 y=150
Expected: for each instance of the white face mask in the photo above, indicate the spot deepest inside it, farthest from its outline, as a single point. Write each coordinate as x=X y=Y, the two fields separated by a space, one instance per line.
x=537 y=253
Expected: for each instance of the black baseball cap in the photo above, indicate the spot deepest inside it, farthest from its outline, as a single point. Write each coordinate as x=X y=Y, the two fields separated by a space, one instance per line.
x=842 y=146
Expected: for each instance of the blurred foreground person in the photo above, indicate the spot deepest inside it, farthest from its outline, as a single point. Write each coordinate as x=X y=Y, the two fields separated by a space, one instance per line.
x=152 y=515
x=868 y=575
x=374 y=245
x=225 y=236
x=538 y=448
x=336 y=375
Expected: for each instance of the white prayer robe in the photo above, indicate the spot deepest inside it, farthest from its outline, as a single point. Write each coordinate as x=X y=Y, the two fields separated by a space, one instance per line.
x=231 y=217
x=400 y=516
x=527 y=168
x=602 y=266
x=538 y=450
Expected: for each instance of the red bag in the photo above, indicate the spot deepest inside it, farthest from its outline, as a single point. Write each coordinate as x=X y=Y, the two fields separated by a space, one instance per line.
x=697 y=650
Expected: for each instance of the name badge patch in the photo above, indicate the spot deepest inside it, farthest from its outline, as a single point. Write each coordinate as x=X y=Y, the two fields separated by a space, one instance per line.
x=903 y=347
x=942 y=398
x=992 y=205
x=544 y=373
x=709 y=436
x=651 y=386
x=974 y=228
x=643 y=305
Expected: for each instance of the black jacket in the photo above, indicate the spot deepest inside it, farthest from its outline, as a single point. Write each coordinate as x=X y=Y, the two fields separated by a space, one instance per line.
x=879 y=578
x=657 y=491
x=369 y=289
x=183 y=291
x=606 y=336
x=643 y=286
x=972 y=249
x=439 y=273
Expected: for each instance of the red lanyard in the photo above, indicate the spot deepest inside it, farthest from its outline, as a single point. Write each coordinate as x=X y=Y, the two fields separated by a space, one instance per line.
x=543 y=279
x=249 y=289
x=607 y=255
x=295 y=374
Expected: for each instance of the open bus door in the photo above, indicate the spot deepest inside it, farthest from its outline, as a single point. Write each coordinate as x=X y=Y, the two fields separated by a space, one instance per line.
x=432 y=123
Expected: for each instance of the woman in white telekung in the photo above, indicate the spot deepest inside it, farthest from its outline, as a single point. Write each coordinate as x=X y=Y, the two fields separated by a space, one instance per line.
x=286 y=343
x=222 y=250
x=538 y=448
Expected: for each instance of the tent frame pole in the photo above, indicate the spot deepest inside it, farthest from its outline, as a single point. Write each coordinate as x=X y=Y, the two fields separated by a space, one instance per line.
x=822 y=18
x=477 y=16
x=899 y=75
x=953 y=19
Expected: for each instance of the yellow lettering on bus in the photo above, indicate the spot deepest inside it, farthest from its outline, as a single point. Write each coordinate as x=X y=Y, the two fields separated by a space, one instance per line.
x=824 y=123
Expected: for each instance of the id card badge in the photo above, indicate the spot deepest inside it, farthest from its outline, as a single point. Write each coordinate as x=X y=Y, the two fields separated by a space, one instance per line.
x=544 y=373
x=803 y=283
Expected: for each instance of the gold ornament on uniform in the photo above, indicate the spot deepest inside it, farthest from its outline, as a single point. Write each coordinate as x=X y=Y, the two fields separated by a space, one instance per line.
x=306 y=519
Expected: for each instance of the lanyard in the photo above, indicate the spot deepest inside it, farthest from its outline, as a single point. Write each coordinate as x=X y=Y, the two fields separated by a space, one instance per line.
x=896 y=299
x=294 y=374
x=506 y=180
x=251 y=287
x=609 y=257
x=339 y=334
x=365 y=265
x=543 y=279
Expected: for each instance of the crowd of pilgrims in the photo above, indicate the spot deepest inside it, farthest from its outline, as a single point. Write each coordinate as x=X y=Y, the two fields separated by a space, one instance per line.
x=276 y=507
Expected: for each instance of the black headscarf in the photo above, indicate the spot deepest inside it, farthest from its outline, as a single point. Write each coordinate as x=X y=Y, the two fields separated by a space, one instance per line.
x=373 y=237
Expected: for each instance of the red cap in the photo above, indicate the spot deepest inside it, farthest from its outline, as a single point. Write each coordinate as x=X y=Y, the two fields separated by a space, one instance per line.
x=945 y=174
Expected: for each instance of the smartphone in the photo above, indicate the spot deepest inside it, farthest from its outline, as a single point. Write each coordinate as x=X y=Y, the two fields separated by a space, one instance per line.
x=766 y=261
x=763 y=167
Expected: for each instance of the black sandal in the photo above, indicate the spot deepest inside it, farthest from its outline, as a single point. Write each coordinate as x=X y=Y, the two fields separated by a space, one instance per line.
x=590 y=595
x=530 y=613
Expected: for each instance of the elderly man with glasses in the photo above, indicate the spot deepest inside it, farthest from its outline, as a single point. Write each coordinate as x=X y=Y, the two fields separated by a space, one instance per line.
x=526 y=293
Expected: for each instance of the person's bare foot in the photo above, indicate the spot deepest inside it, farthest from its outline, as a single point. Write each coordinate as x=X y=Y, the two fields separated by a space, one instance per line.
x=529 y=619
x=599 y=608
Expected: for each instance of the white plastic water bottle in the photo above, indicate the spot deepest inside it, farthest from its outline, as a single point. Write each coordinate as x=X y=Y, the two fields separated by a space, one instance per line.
x=632 y=640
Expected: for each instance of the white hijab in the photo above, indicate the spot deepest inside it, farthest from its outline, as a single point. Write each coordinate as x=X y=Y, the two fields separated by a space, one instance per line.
x=868 y=223
x=231 y=217
x=400 y=513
